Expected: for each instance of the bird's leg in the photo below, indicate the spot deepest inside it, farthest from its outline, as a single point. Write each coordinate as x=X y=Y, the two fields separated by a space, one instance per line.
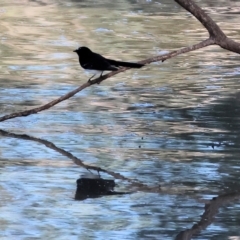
x=99 y=81
x=99 y=173
x=89 y=80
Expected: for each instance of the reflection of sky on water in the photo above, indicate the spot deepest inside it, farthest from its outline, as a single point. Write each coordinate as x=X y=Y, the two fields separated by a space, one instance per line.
x=173 y=124
x=31 y=68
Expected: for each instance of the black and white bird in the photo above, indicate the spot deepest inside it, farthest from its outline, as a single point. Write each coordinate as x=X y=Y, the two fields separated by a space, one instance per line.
x=95 y=63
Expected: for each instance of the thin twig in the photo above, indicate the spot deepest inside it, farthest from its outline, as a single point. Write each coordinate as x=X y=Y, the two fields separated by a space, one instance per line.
x=162 y=58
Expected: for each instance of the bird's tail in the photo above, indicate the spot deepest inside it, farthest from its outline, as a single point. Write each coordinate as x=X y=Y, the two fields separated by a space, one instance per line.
x=125 y=64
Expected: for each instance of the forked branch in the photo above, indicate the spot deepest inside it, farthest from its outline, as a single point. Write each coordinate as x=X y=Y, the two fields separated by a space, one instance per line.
x=216 y=37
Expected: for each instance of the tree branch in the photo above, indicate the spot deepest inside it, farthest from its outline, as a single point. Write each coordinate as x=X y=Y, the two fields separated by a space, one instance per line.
x=98 y=80
x=216 y=37
x=214 y=30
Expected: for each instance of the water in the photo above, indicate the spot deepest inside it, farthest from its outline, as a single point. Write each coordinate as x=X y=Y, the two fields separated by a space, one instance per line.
x=173 y=124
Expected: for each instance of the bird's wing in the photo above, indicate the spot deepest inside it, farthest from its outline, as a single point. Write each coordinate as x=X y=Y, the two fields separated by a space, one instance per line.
x=87 y=65
x=101 y=63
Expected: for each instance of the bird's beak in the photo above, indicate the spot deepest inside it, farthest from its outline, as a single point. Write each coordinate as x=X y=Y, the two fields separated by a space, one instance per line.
x=75 y=50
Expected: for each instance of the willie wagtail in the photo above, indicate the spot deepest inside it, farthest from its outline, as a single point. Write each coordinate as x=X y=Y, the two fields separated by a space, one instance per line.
x=93 y=61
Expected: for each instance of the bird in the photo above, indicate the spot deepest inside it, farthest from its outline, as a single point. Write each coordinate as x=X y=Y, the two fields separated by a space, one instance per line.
x=96 y=63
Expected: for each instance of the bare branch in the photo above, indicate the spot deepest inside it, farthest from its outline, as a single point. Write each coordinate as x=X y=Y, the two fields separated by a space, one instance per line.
x=230 y=45
x=207 y=22
x=98 y=80
x=216 y=37
x=214 y=30
x=164 y=57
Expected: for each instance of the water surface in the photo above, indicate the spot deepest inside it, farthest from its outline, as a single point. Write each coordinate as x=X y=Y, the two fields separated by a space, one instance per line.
x=173 y=124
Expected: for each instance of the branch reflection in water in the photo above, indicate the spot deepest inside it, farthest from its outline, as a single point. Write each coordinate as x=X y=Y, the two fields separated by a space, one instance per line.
x=94 y=186
x=211 y=210
x=138 y=186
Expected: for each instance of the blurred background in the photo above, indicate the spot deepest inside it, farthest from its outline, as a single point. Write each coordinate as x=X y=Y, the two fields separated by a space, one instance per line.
x=174 y=124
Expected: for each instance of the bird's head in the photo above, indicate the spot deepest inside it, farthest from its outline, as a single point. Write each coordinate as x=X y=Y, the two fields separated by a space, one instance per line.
x=82 y=51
